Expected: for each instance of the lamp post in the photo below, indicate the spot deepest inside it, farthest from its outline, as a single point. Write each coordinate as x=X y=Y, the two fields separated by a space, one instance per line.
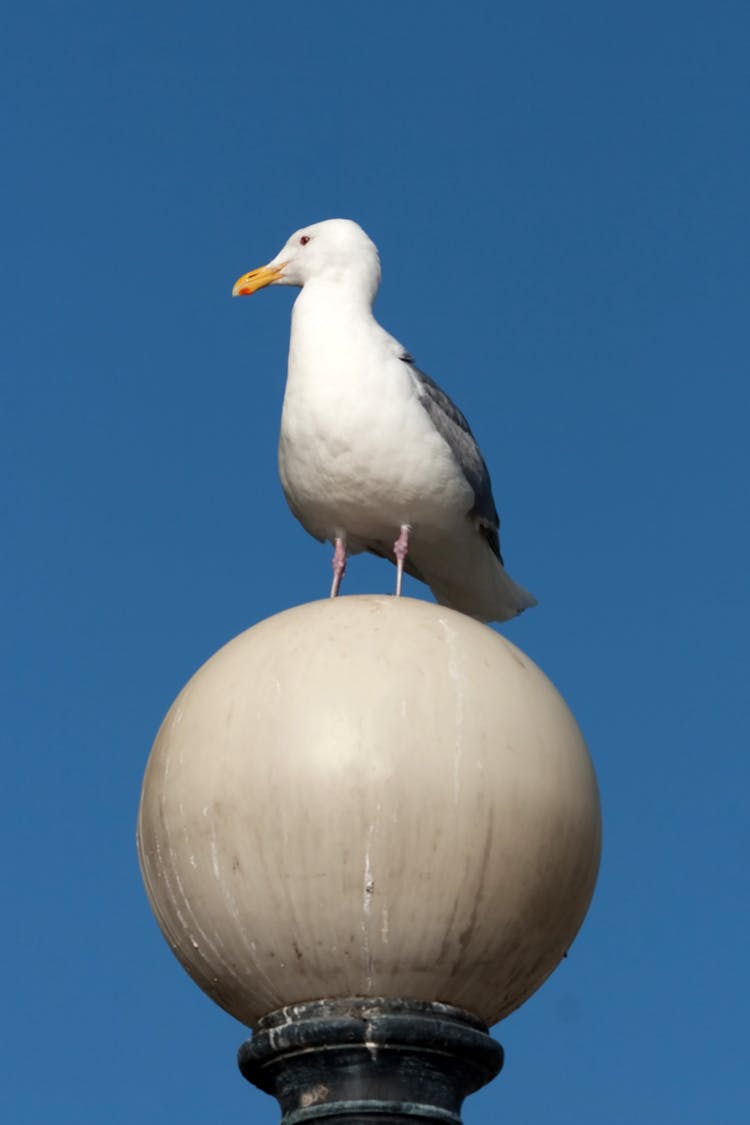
x=369 y=829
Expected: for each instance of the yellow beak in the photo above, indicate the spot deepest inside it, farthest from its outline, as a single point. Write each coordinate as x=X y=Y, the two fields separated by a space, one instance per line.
x=257 y=279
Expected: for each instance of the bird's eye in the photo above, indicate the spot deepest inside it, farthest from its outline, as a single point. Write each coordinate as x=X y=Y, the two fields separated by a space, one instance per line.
x=304 y=240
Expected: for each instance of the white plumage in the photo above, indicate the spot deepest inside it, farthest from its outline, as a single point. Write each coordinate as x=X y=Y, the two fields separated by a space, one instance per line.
x=372 y=454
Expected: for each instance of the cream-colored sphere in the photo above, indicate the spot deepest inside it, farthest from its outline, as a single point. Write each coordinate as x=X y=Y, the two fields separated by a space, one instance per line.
x=369 y=796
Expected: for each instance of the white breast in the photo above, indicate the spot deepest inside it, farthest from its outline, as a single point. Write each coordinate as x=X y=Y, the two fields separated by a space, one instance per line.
x=358 y=454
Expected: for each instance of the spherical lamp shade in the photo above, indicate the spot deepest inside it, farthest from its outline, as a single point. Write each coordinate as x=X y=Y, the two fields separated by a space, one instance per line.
x=369 y=797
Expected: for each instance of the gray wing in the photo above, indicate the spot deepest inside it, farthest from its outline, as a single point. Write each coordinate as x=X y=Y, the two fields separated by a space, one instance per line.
x=454 y=429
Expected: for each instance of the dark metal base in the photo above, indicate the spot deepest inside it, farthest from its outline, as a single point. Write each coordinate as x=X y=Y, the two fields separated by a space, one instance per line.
x=370 y=1060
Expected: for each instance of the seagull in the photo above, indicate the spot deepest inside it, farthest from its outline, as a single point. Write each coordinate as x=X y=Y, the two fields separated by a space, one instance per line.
x=373 y=455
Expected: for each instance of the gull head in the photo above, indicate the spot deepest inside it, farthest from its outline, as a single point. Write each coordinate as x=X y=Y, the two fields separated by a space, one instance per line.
x=336 y=251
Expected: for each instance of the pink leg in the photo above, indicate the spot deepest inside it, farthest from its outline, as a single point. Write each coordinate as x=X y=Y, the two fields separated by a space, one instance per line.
x=339 y=564
x=400 y=549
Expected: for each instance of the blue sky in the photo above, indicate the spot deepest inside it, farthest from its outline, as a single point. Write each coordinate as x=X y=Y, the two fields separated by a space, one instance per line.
x=560 y=196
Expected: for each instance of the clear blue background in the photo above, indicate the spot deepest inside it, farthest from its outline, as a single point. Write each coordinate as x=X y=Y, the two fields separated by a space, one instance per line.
x=560 y=196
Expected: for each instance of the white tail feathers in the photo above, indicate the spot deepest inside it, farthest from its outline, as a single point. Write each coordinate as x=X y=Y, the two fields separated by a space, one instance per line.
x=486 y=591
